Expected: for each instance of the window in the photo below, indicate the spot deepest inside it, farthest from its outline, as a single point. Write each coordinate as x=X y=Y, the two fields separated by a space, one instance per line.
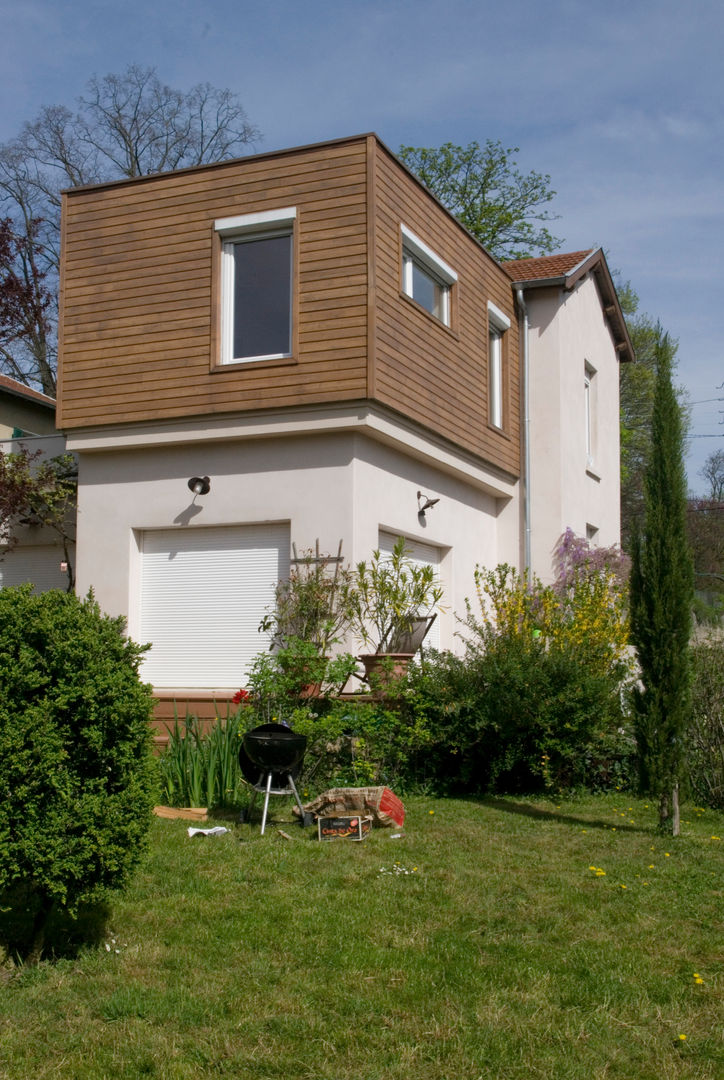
x=589 y=411
x=498 y=324
x=426 y=279
x=256 y=285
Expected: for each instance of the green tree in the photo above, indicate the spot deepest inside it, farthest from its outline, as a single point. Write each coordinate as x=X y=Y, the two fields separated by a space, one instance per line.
x=125 y=125
x=36 y=492
x=661 y=599
x=482 y=186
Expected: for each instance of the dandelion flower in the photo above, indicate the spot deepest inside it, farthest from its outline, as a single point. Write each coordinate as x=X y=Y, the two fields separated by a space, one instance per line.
x=698 y=980
x=683 y=1038
x=667 y=855
x=431 y=811
x=716 y=837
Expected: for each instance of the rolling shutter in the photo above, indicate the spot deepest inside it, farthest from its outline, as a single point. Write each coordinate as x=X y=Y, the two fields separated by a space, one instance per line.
x=421 y=555
x=203 y=594
x=39 y=565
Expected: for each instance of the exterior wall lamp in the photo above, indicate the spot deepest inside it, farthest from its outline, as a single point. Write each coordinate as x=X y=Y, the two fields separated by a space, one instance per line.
x=200 y=485
x=424 y=502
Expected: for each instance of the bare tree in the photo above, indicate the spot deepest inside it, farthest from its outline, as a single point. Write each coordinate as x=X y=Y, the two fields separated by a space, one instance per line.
x=125 y=125
x=713 y=472
x=25 y=305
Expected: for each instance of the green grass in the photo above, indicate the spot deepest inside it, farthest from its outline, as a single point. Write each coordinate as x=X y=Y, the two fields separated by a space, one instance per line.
x=500 y=954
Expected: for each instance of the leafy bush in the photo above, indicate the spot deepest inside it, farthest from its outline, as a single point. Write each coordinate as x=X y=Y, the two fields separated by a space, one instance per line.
x=279 y=681
x=77 y=782
x=705 y=738
x=515 y=716
x=535 y=701
x=359 y=743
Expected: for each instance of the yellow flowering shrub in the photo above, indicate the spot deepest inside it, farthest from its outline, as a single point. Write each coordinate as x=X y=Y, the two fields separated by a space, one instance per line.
x=585 y=617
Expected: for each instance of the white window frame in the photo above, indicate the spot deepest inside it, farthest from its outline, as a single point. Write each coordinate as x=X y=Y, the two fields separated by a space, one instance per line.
x=415 y=252
x=498 y=324
x=589 y=395
x=263 y=225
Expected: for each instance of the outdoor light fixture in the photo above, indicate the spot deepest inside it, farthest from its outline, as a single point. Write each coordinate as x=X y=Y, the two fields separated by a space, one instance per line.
x=424 y=502
x=200 y=485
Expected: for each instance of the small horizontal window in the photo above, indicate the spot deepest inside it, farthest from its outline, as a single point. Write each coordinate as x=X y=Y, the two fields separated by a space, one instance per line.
x=426 y=279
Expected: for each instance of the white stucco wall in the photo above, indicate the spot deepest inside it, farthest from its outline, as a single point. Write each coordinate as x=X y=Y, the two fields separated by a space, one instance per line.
x=567 y=332
x=329 y=487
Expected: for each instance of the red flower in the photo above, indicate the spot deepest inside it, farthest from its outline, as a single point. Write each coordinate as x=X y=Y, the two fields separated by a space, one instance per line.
x=241 y=697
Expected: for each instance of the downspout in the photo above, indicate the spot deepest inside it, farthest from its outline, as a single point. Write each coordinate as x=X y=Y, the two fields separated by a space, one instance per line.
x=526 y=438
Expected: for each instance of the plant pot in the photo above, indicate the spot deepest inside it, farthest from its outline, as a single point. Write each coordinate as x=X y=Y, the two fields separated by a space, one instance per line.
x=383 y=669
x=311 y=690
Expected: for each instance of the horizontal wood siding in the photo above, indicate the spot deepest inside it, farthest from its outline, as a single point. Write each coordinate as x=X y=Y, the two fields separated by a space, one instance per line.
x=433 y=374
x=139 y=297
x=170 y=706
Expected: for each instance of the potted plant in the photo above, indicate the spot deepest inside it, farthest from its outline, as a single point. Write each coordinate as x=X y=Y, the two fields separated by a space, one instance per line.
x=309 y=617
x=387 y=600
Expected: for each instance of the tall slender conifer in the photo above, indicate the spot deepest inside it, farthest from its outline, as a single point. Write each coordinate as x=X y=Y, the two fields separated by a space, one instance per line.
x=661 y=598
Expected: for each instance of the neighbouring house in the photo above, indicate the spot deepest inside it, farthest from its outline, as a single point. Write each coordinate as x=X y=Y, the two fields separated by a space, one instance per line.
x=27 y=419
x=574 y=335
x=305 y=345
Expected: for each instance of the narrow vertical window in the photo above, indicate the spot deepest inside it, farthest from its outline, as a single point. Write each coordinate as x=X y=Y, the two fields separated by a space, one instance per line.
x=589 y=411
x=498 y=325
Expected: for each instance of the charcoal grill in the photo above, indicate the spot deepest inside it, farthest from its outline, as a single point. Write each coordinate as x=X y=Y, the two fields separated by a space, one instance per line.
x=270 y=758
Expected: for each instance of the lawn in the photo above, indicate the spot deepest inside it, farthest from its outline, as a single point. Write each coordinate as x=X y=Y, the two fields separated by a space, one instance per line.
x=511 y=939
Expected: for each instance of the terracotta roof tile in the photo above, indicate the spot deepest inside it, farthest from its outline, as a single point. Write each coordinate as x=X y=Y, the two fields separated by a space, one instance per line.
x=15 y=387
x=547 y=266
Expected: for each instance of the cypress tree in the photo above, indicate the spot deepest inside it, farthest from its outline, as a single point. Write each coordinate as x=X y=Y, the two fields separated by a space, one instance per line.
x=662 y=585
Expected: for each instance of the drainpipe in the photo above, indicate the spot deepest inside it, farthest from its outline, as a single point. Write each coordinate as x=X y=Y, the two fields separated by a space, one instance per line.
x=526 y=436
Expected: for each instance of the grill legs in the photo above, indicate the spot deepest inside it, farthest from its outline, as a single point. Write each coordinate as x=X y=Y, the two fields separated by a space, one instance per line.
x=265 y=786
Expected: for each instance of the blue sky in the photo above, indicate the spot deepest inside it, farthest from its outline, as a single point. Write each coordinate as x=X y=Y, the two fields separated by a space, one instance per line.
x=621 y=103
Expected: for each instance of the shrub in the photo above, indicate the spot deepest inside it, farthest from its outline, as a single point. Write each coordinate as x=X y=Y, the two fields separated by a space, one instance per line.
x=359 y=743
x=279 y=681
x=513 y=717
x=704 y=755
x=535 y=701
x=77 y=782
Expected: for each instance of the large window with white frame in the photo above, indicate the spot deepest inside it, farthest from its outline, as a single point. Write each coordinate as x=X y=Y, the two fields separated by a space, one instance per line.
x=256 y=285
x=498 y=325
x=426 y=278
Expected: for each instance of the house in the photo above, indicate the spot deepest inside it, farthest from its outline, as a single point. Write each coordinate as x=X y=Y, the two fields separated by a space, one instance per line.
x=27 y=419
x=304 y=345
x=574 y=336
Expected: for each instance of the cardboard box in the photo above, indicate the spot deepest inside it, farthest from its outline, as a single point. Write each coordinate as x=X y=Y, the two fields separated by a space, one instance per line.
x=351 y=827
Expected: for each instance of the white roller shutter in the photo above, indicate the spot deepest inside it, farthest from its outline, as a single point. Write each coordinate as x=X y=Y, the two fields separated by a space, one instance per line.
x=420 y=555
x=203 y=593
x=39 y=565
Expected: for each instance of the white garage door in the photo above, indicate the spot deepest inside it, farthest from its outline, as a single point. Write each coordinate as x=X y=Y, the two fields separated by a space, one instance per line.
x=420 y=555
x=39 y=565
x=203 y=593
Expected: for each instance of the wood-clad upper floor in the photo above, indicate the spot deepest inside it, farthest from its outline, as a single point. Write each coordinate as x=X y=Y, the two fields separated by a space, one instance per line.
x=143 y=333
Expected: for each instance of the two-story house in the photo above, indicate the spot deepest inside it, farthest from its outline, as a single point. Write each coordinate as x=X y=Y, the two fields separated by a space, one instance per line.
x=289 y=347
